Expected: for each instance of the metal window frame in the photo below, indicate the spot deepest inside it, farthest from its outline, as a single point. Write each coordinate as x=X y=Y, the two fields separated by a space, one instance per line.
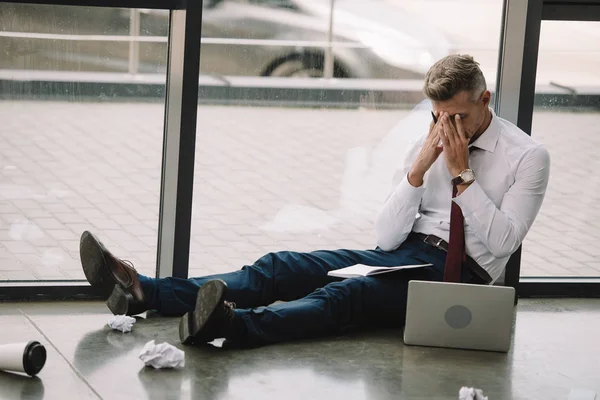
x=571 y=10
x=179 y=139
x=153 y=4
x=517 y=68
x=181 y=109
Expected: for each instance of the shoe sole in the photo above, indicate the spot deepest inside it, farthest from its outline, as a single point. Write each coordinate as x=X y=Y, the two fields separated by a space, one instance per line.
x=210 y=295
x=94 y=265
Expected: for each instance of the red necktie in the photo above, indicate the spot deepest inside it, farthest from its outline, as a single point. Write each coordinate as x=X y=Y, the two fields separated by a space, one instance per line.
x=457 y=254
x=456 y=244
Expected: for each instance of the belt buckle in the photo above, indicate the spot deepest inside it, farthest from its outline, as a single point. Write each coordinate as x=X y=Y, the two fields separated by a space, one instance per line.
x=437 y=244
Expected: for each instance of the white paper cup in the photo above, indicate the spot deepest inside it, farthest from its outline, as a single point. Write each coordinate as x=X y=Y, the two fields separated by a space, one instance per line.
x=27 y=357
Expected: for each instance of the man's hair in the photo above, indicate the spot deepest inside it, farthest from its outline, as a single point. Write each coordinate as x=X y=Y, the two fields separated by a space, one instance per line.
x=452 y=75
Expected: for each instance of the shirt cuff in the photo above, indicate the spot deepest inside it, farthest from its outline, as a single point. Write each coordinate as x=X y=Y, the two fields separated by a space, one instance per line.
x=408 y=192
x=471 y=199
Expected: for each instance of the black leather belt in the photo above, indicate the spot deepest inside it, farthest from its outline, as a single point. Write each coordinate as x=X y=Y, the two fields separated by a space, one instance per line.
x=441 y=244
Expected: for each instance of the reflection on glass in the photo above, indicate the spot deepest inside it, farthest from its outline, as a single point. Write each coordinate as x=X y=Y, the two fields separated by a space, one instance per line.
x=307 y=179
x=69 y=160
x=287 y=38
x=370 y=39
x=562 y=241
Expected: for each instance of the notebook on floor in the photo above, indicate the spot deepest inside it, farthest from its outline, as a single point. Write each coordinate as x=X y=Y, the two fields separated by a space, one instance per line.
x=368 y=270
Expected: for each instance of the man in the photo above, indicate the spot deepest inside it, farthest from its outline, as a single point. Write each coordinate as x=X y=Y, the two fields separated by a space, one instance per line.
x=472 y=168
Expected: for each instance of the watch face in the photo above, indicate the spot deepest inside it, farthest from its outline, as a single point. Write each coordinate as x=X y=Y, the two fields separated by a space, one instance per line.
x=467 y=176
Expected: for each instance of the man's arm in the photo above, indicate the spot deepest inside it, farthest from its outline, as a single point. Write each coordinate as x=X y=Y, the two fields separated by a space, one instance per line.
x=503 y=230
x=395 y=220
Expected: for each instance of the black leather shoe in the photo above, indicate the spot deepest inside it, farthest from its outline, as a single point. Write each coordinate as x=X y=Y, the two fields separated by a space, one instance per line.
x=115 y=279
x=212 y=318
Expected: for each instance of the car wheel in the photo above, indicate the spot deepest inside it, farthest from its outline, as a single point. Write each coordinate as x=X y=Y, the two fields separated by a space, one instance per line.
x=296 y=69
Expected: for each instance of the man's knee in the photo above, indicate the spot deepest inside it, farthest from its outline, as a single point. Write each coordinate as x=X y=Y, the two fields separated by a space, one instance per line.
x=279 y=259
x=270 y=264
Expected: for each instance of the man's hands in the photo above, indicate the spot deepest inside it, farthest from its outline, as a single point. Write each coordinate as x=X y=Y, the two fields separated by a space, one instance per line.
x=430 y=151
x=455 y=147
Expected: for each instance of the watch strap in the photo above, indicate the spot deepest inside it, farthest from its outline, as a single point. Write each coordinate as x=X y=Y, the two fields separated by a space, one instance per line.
x=457 y=181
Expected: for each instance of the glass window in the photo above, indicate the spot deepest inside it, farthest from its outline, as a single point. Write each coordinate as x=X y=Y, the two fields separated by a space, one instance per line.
x=304 y=164
x=391 y=40
x=394 y=39
x=79 y=148
x=562 y=241
x=86 y=39
x=284 y=160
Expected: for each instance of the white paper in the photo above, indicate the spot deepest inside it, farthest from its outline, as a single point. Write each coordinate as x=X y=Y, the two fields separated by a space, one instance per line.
x=121 y=323
x=367 y=270
x=467 y=393
x=162 y=355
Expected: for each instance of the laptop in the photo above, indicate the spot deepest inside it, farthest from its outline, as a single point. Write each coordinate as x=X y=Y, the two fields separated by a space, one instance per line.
x=459 y=315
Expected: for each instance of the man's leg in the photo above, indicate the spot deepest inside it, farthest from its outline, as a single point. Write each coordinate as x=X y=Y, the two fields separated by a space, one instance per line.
x=284 y=276
x=334 y=306
x=276 y=276
x=356 y=302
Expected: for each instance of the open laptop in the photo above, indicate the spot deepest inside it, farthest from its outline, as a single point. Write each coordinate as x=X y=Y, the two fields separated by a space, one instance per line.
x=459 y=315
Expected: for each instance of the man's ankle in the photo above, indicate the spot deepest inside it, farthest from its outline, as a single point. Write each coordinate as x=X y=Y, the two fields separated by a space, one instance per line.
x=150 y=289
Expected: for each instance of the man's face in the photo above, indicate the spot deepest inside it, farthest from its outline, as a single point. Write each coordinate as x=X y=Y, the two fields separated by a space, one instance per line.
x=472 y=112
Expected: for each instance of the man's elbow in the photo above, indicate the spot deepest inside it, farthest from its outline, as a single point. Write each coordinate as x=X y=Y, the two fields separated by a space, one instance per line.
x=385 y=246
x=501 y=253
x=387 y=242
x=505 y=249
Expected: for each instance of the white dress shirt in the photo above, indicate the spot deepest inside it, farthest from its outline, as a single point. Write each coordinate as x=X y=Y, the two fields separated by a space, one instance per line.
x=511 y=176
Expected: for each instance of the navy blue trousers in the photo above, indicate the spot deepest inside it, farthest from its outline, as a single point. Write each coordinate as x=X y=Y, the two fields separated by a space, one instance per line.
x=314 y=304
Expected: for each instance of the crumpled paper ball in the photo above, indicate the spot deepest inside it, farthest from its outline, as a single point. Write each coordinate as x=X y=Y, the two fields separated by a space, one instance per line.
x=467 y=393
x=162 y=355
x=121 y=323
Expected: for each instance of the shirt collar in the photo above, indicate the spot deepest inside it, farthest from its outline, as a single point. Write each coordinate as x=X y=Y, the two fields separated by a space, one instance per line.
x=489 y=138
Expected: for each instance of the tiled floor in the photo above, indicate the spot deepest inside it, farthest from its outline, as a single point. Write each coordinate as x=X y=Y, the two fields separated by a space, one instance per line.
x=266 y=179
x=555 y=352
